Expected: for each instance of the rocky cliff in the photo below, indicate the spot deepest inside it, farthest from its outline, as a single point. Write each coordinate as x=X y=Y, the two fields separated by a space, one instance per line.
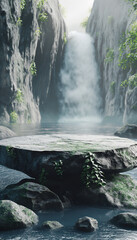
x=31 y=46
x=111 y=24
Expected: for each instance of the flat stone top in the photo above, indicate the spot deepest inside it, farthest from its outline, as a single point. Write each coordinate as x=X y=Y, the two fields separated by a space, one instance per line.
x=68 y=142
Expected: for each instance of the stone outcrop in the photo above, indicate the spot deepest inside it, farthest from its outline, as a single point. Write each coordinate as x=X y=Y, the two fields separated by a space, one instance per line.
x=33 y=196
x=127 y=131
x=86 y=224
x=32 y=42
x=14 y=216
x=108 y=22
x=125 y=220
x=6 y=133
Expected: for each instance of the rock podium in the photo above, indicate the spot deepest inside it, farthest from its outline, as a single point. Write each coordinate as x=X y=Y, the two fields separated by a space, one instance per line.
x=72 y=165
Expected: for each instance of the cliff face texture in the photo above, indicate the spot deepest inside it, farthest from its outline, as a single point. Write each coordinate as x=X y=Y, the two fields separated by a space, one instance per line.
x=109 y=24
x=31 y=46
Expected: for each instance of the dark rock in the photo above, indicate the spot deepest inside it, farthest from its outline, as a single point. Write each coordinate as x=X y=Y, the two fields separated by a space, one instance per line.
x=27 y=41
x=6 y=133
x=125 y=220
x=119 y=192
x=12 y=177
x=14 y=216
x=86 y=224
x=33 y=196
x=52 y=225
x=127 y=131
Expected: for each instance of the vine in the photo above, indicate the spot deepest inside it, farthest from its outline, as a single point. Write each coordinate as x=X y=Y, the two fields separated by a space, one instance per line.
x=58 y=167
x=92 y=175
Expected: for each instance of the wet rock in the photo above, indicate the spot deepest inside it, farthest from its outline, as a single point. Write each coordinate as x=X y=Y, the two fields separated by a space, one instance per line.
x=6 y=133
x=14 y=216
x=33 y=196
x=125 y=220
x=128 y=131
x=86 y=224
x=52 y=225
x=119 y=192
x=12 y=177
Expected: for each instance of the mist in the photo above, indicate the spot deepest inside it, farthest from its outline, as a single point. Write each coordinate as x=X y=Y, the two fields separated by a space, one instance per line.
x=75 y=12
x=79 y=91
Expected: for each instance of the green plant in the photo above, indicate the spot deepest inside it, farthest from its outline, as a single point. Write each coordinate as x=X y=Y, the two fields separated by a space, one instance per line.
x=43 y=177
x=109 y=55
x=84 y=22
x=33 y=69
x=37 y=32
x=131 y=81
x=43 y=16
x=13 y=117
x=40 y=4
x=92 y=175
x=10 y=151
x=19 y=96
x=112 y=87
x=19 y=22
x=58 y=167
x=128 y=48
x=65 y=38
x=22 y=4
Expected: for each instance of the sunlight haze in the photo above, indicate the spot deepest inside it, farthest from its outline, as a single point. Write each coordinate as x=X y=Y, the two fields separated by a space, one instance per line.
x=75 y=12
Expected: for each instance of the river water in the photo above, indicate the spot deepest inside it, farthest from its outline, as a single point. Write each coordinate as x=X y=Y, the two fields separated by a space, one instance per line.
x=68 y=217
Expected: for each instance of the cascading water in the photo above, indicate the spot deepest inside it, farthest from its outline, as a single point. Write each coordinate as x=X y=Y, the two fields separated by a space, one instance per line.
x=79 y=78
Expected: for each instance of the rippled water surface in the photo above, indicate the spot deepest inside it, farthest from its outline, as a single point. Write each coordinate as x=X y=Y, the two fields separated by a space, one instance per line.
x=68 y=218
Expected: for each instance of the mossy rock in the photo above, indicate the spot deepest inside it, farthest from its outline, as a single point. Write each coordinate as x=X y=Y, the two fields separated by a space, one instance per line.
x=14 y=216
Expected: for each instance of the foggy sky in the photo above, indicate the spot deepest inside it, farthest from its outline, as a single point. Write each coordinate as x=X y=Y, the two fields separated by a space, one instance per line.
x=75 y=12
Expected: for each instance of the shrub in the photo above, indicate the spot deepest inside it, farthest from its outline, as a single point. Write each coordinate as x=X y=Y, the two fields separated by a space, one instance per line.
x=33 y=69
x=13 y=117
x=19 y=96
x=22 y=4
x=19 y=22
x=43 y=16
x=109 y=55
x=132 y=81
x=128 y=48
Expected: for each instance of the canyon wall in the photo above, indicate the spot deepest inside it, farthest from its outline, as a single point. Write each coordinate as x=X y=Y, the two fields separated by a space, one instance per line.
x=109 y=24
x=31 y=47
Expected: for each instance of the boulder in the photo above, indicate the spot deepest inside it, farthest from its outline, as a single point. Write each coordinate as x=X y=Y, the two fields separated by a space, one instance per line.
x=14 y=216
x=12 y=177
x=33 y=196
x=52 y=225
x=125 y=220
x=6 y=133
x=86 y=224
x=127 y=131
x=119 y=192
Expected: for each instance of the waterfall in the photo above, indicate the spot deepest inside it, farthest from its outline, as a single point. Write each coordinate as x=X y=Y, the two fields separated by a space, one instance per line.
x=79 y=90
